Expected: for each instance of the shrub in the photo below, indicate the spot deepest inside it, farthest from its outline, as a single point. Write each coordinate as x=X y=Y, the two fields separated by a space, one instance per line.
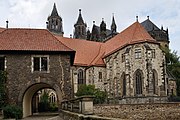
x=12 y=111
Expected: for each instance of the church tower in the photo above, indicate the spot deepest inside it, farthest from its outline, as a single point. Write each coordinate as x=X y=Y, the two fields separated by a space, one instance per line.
x=113 y=27
x=54 y=23
x=80 y=28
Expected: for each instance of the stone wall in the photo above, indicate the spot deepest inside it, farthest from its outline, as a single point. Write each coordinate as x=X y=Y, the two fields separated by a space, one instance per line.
x=123 y=63
x=159 y=111
x=20 y=76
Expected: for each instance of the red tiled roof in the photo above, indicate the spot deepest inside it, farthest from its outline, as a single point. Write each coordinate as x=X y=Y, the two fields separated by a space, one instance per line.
x=90 y=53
x=2 y=29
x=30 y=40
x=86 y=51
x=131 y=35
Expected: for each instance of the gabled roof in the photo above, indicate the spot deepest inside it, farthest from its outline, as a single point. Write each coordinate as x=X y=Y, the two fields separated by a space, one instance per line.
x=89 y=53
x=131 y=35
x=86 y=51
x=149 y=25
x=30 y=40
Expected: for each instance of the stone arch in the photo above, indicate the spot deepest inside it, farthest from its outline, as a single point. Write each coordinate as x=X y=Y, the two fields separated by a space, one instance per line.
x=27 y=92
x=155 y=81
x=138 y=82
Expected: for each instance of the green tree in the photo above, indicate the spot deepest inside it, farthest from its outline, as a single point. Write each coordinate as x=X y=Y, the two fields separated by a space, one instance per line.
x=3 y=96
x=99 y=96
x=173 y=65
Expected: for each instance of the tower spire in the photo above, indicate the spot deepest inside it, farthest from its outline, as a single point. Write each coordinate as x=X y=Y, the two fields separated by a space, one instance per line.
x=54 y=11
x=113 y=25
x=80 y=27
x=54 y=22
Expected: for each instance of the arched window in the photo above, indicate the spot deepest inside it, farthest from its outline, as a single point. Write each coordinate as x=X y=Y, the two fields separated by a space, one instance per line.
x=52 y=98
x=80 y=77
x=124 y=84
x=154 y=81
x=138 y=78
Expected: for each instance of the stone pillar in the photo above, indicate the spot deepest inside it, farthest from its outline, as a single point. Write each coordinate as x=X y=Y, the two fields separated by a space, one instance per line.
x=86 y=105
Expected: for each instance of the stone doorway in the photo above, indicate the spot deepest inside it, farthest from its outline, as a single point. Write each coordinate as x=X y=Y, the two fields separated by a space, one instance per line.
x=30 y=93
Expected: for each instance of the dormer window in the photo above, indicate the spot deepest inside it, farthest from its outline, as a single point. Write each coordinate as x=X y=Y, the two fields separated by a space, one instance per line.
x=138 y=53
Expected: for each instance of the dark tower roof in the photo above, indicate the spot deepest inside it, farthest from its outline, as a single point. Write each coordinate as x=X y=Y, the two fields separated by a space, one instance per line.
x=149 y=26
x=54 y=11
x=80 y=19
x=103 y=25
x=113 y=25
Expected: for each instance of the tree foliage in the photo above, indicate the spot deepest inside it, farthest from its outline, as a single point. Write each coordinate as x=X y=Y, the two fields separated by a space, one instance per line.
x=99 y=96
x=3 y=96
x=173 y=65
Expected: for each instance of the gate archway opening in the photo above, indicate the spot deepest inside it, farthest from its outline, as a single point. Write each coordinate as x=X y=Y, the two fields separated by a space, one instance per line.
x=30 y=94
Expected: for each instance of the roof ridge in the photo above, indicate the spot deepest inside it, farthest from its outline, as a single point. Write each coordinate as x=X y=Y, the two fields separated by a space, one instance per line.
x=60 y=41
x=96 y=55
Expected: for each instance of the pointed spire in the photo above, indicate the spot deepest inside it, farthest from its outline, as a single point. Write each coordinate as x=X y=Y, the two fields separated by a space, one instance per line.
x=113 y=25
x=54 y=11
x=162 y=27
x=80 y=19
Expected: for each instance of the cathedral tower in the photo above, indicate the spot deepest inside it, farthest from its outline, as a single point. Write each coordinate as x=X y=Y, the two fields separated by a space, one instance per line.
x=80 y=28
x=54 y=23
x=113 y=26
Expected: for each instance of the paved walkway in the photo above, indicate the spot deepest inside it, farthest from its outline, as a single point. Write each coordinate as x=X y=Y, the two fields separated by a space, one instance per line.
x=44 y=116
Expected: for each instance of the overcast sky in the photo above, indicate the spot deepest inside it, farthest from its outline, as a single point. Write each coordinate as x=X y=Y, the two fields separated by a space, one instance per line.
x=34 y=13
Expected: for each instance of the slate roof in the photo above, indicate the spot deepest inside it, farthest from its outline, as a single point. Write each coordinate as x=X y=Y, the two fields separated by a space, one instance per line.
x=149 y=25
x=80 y=19
x=30 y=40
x=54 y=11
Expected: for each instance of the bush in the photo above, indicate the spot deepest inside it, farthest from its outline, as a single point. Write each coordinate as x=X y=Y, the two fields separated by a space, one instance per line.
x=12 y=111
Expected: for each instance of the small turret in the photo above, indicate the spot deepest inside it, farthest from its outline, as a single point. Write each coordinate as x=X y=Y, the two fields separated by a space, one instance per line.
x=80 y=27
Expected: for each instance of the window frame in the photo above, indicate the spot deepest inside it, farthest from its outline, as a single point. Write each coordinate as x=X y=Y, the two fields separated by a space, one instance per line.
x=40 y=63
x=138 y=53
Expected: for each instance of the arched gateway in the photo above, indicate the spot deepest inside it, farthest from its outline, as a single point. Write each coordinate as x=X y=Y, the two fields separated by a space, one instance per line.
x=33 y=60
x=26 y=96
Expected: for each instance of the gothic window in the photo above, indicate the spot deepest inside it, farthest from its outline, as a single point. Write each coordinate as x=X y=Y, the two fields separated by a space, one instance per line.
x=138 y=78
x=153 y=81
x=40 y=63
x=137 y=53
x=52 y=98
x=100 y=76
x=124 y=84
x=123 y=57
x=80 y=77
x=153 y=53
x=2 y=63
